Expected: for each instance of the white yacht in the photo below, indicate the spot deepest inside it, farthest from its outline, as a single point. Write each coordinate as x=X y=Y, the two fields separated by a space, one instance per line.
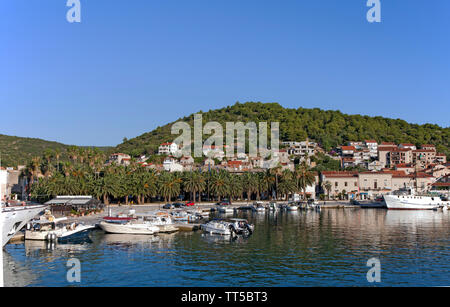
x=412 y=201
x=16 y=216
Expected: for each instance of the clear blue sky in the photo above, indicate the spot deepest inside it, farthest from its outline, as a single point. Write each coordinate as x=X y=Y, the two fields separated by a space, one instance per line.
x=130 y=66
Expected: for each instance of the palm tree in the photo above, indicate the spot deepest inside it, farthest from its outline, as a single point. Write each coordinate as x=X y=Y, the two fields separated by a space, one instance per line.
x=249 y=184
x=219 y=184
x=269 y=182
x=57 y=154
x=276 y=172
x=169 y=185
x=194 y=182
x=304 y=177
x=234 y=186
x=287 y=184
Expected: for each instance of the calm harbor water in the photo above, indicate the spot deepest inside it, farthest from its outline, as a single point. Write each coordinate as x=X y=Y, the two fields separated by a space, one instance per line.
x=330 y=248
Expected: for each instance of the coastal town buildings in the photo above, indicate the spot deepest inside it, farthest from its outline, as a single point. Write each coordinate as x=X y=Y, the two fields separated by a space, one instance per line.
x=119 y=159
x=168 y=148
x=368 y=185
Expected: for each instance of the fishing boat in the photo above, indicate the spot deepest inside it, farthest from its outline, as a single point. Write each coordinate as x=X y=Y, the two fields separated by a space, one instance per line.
x=231 y=227
x=412 y=201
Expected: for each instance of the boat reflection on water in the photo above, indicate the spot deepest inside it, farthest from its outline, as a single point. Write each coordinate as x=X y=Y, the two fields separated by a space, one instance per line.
x=162 y=240
x=223 y=239
x=50 y=249
x=16 y=274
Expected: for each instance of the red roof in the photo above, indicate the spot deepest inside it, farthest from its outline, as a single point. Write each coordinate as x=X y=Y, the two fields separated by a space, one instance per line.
x=423 y=150
x=441 y=184
x=348 y=148
x=370 y=141
x=401 y=149
x=166 y=144
x=388 y=144
x=337 y=174
x=387 y=148
x=234 y=163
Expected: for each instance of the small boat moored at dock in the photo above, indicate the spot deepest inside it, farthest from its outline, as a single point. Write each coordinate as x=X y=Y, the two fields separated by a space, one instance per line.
x=258 y=206
x=231 y=227
x=52 y=229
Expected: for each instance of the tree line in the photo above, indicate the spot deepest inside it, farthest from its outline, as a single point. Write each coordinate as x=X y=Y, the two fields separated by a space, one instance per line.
x=86 y=174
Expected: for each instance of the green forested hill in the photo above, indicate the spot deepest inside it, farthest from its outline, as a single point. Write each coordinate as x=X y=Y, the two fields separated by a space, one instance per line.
x=16 y=150
x=330 y=128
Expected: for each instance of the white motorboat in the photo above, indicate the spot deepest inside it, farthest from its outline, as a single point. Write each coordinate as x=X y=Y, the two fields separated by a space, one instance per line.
x=164 y=222
x=16 y=216
x=59 y=232
x=184 y=216
x=232 y=227
x=412 y=201
x=291 y=207
x=49 y=228
x=224 y=209
x=258 y=206
x=133 y=226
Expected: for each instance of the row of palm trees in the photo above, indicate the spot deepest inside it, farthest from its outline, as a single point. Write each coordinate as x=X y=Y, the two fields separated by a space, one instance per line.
x=115 y=183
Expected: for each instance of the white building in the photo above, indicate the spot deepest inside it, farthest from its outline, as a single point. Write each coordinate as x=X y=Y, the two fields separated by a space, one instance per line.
x=119 y=158
x=372 y=145
x=168 y=149
x=170 y=164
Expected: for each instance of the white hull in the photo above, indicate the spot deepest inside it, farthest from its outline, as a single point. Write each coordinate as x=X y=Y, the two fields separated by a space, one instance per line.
x=138 y=229
x=59 y=233
x=216 y=230
x=292 y=208
x=15 y=218
x=409 y=202
x=226 y=210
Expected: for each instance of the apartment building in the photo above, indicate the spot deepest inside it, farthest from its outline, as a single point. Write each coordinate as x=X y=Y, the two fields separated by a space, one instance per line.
x=119 y=158
x=168 y=148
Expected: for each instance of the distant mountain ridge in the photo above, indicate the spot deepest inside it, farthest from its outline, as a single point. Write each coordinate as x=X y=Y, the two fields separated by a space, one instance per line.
x=329 y=128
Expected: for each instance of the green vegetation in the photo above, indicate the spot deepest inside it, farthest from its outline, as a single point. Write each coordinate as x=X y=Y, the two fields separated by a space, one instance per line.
x=329 y=128
x=122 y=184
x=19 y=151
x=16 y=150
